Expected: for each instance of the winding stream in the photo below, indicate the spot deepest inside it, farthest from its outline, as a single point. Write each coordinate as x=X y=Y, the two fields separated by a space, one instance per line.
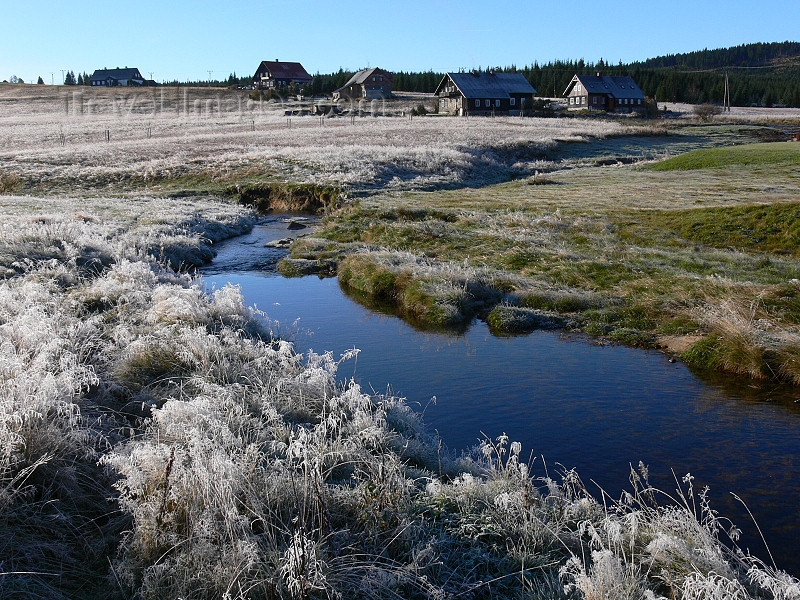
x=569 y=401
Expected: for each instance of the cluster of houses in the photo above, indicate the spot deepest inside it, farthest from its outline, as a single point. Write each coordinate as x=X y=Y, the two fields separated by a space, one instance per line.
x=462 y=93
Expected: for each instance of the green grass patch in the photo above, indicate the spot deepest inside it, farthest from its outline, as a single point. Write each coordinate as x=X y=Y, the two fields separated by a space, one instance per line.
x=773 y=153
x=359 y=272
x=771 y=228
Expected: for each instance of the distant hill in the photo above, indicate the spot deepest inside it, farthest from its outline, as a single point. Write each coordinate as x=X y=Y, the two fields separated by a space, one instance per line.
x=775 y=56
x=761 y=74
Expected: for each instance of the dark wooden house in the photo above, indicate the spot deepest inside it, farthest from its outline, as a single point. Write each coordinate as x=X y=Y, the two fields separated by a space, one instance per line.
x=367 y=83
x=276 y=74
x=613 y=93
x=112 y=77
x=485 y=92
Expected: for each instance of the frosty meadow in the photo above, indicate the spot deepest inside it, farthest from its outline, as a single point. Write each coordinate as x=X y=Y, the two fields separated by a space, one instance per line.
x=157 y=441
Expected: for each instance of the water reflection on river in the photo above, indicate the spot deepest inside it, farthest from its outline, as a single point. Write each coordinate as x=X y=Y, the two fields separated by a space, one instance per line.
x=596 y=408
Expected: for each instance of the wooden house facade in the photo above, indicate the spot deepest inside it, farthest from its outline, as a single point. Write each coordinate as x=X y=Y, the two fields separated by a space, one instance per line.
x=277 y=74
x=367 y=83
x=609 y=93
x=484 y=93
x=112 y=77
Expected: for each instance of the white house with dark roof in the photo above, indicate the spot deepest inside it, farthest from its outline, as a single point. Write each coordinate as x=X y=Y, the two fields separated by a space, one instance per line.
x=127 y=76
x=484 y=92
x=613 y=93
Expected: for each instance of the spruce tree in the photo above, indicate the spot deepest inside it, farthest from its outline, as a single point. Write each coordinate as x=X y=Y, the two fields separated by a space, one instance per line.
x=40 y=81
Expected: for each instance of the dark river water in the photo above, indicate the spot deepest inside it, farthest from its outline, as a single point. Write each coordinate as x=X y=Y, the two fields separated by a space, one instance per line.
x=570 y=402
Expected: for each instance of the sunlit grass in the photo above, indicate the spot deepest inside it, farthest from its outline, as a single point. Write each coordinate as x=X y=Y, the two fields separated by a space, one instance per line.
x=746 y=155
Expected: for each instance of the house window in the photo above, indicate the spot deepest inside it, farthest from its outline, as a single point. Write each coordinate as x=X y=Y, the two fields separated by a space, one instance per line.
x=571 y=100
x=477 y=103
x=488 y=103
x=594 y=99
x=638 y=101
x=583 y=100
x=513 y=101
x=497 y=103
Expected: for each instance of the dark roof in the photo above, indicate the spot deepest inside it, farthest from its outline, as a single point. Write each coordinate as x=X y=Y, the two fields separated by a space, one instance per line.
x=293 y=71
x=489 y=84
x=362 y=76
x=616 y=86
x=118 y=74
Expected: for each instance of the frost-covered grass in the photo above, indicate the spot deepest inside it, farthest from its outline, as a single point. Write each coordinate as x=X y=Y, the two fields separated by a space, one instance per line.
x=740 y=114
x=57 y=140
x=157 y=441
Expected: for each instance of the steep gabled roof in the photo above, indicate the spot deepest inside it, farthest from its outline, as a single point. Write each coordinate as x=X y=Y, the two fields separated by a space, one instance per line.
x=489 y=84
x=616 y=86
x=284 y=70
x=362 y=77
x=118 y=74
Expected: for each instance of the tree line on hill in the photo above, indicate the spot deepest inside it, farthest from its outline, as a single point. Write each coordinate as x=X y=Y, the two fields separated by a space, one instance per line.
x=81 y=79
x=762 y=74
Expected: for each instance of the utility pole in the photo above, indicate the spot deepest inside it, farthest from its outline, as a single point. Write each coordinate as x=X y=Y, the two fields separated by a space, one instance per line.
x=727 y=99
x=51 y=77
x=63 y=76
x=209 y=75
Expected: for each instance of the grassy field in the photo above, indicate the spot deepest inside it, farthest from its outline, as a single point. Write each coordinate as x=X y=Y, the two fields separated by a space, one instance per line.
x=176 y=140
x=750 y=155
x=158 y=441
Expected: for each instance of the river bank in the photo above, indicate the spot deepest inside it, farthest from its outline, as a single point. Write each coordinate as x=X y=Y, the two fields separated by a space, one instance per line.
x=239 y=466
x=699 y=261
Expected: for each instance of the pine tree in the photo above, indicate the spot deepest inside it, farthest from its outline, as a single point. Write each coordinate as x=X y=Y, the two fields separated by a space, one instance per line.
x=80 y=79
x=40 y=81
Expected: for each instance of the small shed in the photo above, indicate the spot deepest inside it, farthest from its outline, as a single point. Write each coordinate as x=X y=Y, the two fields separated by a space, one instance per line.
x=127 y=76
x=612 y=93
x=275 y=73
x=367 y=83
x=482 y=92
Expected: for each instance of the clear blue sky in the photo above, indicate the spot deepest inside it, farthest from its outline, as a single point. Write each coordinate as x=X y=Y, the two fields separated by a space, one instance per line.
x=184 y=40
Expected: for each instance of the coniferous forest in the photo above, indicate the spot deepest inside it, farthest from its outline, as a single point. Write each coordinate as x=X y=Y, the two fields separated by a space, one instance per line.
x=761 y=74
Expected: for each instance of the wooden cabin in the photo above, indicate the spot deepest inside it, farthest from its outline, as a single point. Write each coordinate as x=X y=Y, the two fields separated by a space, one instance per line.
x=367 y=83
x=484 y=92
x=276 y=74
x=610 y=93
